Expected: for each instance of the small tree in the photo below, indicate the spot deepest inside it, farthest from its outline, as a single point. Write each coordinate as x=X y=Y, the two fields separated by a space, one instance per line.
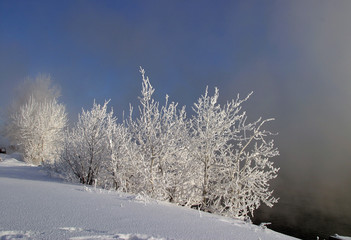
x=38 y=129
x=233 y=155
x=86 y=149
x=159 y=135
x=121 y=167
x=35 y=120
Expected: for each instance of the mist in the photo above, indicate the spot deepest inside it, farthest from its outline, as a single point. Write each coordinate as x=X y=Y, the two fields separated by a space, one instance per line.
x=310 y=96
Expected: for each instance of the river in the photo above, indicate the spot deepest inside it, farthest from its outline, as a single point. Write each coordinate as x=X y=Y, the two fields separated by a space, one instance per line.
x=301 y=217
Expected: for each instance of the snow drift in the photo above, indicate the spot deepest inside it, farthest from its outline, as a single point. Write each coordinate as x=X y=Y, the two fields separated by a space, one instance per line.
x=36 y=206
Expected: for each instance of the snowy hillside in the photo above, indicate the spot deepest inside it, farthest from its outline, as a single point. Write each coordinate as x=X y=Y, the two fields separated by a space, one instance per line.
x=36 y=206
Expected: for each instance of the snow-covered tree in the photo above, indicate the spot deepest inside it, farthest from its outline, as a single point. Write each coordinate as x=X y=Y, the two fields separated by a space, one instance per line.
x=215 y=160
x=159 y=134
x=37 y=128
x=121 y=166
x=233 y=155
x=36 y=113
x=86 y=149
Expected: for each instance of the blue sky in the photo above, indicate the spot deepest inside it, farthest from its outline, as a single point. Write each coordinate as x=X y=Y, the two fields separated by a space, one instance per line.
x=294 y=55
x=97 y=46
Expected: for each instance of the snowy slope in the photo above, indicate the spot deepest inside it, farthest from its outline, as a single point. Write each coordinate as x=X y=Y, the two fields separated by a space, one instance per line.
x=35 y=206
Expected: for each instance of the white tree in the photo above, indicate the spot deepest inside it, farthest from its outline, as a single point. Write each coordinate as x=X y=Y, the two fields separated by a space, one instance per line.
x=86 y=150
x=34 y=98
x=38 y=129
x=159 y=134
x=233 y=155
x=121 y=167
x=216 y=160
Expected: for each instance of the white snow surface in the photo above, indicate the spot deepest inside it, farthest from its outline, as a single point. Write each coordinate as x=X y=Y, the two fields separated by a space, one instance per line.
x=341 y=237
x=34 y=205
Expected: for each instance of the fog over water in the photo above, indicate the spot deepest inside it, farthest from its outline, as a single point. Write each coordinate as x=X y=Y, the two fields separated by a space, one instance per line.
x=294 y=55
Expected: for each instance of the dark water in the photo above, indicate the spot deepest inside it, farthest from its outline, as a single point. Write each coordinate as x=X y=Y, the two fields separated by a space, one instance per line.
x=303 y=219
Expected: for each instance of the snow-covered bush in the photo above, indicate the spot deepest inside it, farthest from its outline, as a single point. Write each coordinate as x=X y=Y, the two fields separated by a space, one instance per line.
x=35 y=120
x=38 y=129
x=214 y=160
x=121 y=167
x=86 y=150
x=233 y=155
x=159 y=135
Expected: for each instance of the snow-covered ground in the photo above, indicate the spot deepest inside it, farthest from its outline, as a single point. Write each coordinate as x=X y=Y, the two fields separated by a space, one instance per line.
x=36 y=206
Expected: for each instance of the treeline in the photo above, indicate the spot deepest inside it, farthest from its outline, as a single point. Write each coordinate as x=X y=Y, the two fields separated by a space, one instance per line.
x=214 y=160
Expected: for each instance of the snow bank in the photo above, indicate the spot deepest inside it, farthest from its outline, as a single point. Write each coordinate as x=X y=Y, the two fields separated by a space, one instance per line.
x=35 y=206
x=336 y=236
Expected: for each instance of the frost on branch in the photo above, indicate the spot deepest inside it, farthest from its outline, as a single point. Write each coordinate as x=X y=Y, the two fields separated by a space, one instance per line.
x=36 y=120
x=159 y=136
x=38 y=129
x=86 y=149
x=233 y=155
x=215 y=160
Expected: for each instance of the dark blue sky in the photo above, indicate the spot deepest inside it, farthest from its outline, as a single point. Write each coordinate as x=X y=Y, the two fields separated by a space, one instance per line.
x=96 y=47
x=294 y=55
